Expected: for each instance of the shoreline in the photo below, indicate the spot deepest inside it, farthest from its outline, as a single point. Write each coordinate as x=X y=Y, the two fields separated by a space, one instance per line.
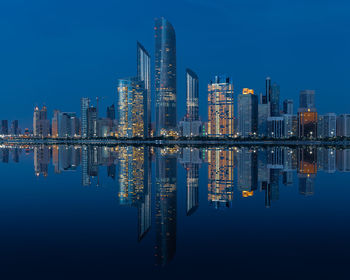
x=182 y=142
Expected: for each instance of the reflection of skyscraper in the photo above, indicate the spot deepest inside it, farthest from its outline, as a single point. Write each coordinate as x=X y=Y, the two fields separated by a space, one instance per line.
x=247 y=176
x=220 y=177
x=144 y=75
x=5 y=155
x=85 y=166
x=41 y=160
x=166 y=172
x=165 y=76
x=343 y=160
x=220 y=107
x=190 y=159
x=307 y=169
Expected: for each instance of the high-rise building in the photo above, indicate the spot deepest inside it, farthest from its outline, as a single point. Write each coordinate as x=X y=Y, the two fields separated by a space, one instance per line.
x=290 y=125
x=263 y=114
x=84 y=105
x=111 y=112
x=14 y=127
x=343 y=125
x=220 y=107
x=326 y=126
x=68 y=125
x=41 y=125
x=4 y=127
x=247 y=113
x=288 y=106
x=268 y=89
x=307 y=115
x=92 y=122
x=131 y=108
x=275 y=100
x=144 y=75
x=191 y=125
x=165 y=76
x=54 y=124
x=275 y=127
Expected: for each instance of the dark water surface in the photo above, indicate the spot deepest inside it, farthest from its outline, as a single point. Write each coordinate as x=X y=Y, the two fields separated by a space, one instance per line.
x=73 y=212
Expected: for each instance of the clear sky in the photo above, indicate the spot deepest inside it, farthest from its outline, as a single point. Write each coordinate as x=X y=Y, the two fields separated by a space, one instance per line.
x=54 y=52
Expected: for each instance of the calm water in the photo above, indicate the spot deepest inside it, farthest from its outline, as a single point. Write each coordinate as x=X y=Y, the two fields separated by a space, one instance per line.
x=73 y=212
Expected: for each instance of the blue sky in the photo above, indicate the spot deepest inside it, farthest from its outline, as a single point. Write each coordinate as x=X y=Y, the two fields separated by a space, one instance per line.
x=54 y=52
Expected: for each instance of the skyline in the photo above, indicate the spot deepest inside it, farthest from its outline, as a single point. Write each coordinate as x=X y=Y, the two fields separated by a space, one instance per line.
x=77 y=67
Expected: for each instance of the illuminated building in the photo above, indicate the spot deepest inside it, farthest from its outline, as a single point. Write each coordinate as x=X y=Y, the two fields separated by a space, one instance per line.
x=220 y=177
x=326 y=126
x=220 y=108
x=166 y=207
x=247 y=113
x=191 y=125
x=288 y=107
x=290 y=123
x=41 y=125
x=275 y=127
x=343 y=125
x=165 y=76
x=85 y=180
x=54 y=124
x=307 y=100
x=91 y=122
x=144 y=75
x=131 y=108
x=307 y=124
x=84 y=106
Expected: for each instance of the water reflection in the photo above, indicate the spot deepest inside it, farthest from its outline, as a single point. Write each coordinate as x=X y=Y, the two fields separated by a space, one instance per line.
x=231 y=172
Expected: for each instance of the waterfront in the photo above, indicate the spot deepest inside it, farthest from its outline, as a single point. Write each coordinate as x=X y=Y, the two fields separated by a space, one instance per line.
x=125 y=211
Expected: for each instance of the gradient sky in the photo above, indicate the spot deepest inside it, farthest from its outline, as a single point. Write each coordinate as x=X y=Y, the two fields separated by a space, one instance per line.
x=54 y=52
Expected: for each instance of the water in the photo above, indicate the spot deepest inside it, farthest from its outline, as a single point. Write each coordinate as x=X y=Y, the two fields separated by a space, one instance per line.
x=73 y=212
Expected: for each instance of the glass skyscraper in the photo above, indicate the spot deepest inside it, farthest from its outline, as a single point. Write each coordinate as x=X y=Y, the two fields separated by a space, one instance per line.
x=144 y=75
x=247 y=113
x=131 y=108
x=220 y=107
x=165 y=76
x=192 y=90
x=84 y=104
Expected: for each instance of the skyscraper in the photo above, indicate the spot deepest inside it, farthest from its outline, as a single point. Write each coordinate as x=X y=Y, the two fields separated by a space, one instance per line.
x=307 y=115
x=165 y=76
x=14 y=127
x=84 y=105
x=326 y=126
x=131 y=108
x=288 y=106
x=343 y=125
x=41 y=125
x=92 y=122
x=54 y=124
x=192 y=95
x=144 y=75
x=111 y=112
x=68 y=125
x=275 y=100
x=247 y=113
x=220 y=107
x=4 y=127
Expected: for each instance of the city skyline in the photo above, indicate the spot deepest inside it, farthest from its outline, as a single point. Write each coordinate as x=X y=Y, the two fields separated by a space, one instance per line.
x=218 y=64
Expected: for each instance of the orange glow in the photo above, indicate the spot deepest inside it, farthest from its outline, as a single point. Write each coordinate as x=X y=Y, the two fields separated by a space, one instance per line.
x=247 y=91
x=247 y=194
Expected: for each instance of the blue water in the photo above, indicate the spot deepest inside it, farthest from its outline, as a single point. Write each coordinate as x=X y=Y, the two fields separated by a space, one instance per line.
x=243 y=213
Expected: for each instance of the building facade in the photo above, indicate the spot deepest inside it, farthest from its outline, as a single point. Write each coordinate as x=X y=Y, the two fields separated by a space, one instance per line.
x=84 y=106
x=247 y=113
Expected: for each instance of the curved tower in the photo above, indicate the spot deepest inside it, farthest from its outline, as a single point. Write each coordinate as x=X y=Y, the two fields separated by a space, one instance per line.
x=165 y=76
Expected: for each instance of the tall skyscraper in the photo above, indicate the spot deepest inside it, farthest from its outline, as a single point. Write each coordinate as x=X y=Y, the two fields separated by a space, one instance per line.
x=192 y=96
x=268 y=89
x=131 y=108
x=41 y=125
x=111 y=112
x=84 y=105
x=4 y=127
x=54 y=124
x=327 y=126
x=165 y=76
x=220 y=107
x=307 y=115
x=144 y=75
x=14 y=127
x=247 y=113
x=275 y=100
x=92 y=122
x=68 y=125
x=288 y=106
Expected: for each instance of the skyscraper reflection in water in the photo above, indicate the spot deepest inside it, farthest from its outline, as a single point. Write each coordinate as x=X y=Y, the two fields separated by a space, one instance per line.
x=166 y=200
